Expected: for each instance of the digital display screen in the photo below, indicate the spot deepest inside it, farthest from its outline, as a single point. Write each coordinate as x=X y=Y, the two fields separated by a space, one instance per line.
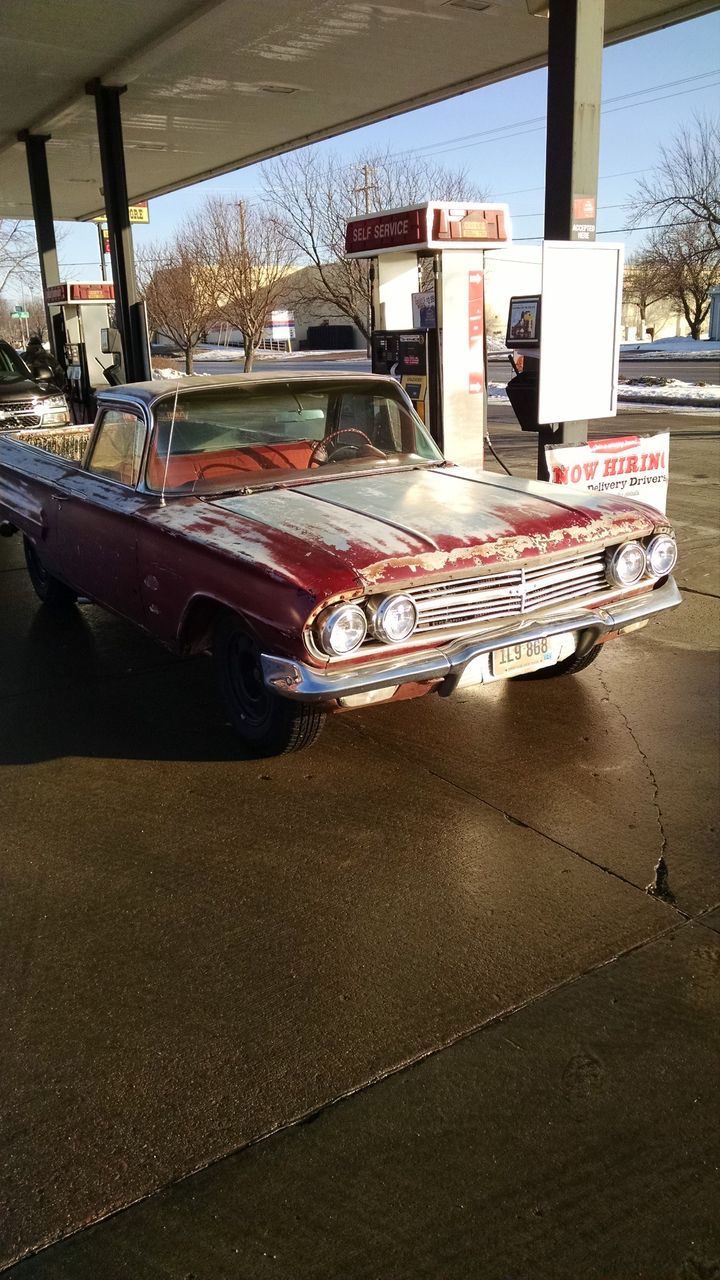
x=523 y=329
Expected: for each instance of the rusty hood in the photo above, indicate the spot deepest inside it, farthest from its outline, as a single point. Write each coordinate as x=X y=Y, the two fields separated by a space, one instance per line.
x=394 y=528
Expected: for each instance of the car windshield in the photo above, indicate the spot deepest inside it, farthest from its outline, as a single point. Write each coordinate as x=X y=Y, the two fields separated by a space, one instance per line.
x=214 y=439
x=12 y=368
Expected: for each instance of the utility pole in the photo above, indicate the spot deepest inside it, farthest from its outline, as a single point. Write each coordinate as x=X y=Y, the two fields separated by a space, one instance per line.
x=365 y=189
x=368 y=186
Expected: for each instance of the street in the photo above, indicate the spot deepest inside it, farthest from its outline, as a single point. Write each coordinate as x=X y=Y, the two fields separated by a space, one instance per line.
x=694 y=371
x=429 y=939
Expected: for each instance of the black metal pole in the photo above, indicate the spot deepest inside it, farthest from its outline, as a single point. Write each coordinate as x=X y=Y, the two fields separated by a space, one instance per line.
x=101 y=247
x=36 y=152
x=575 y=52
x=112 y=158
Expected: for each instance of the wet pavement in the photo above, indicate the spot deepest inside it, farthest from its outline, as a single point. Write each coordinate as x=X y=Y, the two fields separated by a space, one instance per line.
x=437 y=920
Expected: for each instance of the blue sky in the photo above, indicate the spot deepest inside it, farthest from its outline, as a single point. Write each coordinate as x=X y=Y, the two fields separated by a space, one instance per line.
x=651 y=87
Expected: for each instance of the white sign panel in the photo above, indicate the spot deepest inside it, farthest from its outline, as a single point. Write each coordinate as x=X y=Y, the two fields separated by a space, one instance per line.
x=634 y=465
x=423 y=305
x=281 y=326
x=579 y=341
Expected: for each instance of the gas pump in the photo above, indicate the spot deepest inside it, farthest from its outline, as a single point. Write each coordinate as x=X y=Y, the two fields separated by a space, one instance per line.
x=432 y=338
x=84 y=341
x=411 y=356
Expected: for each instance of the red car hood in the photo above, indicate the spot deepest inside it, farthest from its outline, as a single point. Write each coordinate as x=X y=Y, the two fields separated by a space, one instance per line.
x=396 y=527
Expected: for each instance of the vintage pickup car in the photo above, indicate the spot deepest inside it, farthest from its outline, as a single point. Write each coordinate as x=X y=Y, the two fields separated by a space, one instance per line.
x=308 y=532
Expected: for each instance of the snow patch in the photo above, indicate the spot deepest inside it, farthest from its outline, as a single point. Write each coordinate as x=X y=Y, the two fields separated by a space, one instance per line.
x=673 y=392
x=669 y=347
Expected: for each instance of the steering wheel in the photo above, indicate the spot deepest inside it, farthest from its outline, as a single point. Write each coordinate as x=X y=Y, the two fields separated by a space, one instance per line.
x=325 y=452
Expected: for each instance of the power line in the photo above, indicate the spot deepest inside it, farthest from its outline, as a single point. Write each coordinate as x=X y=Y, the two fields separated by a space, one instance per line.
x=618 y=231
x=537 y=123
x=604 y=177
x=541 y=128
x=603 y=208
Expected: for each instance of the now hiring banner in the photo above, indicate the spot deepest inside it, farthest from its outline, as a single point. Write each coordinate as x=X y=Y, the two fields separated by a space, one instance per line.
x=633 y=465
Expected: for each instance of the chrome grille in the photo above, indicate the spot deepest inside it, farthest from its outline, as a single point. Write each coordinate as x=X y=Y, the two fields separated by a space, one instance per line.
x=498 y=595
x=17 y=406
x=19 y=420
x=18 y=413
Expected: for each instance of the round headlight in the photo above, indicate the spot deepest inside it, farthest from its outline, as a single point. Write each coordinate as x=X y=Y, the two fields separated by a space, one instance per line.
x=342 y=629
x=661 y=555
x=393 y=619
x=627 y=564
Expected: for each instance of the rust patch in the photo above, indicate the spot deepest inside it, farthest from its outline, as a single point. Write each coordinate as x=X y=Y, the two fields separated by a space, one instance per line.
x=509 y=550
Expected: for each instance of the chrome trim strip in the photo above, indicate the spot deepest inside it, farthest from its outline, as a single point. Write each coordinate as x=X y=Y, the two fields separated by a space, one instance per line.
x=294 y=679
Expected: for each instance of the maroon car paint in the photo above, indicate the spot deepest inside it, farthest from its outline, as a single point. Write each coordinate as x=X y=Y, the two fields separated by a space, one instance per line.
x=275 y=555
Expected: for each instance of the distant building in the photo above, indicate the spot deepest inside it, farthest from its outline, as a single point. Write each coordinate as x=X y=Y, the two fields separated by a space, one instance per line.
x=316 y=314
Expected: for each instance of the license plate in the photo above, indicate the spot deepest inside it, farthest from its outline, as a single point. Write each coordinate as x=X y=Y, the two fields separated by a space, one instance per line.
x=530 y=655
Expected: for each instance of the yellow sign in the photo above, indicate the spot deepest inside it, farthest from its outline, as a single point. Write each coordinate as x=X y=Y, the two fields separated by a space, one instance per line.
x=138 y=213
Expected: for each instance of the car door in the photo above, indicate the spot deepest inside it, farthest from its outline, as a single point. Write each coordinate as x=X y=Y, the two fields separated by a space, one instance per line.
x=97 y=515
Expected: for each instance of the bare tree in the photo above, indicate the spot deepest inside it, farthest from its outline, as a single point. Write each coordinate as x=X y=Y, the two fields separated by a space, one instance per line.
x=37 y=320
x=685 y=184
x=251 y=256
x=644 y=283
x=18 y=254
x=180 y=284
x=6 y=324
x=316 y=192
x=688 y=262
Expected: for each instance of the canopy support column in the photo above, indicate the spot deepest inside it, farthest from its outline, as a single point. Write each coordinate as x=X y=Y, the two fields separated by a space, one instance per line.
x=36 y=153
x=575 y=52
x=129 y=309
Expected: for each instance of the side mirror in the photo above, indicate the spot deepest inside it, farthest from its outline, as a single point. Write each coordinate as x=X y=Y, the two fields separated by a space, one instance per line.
x=44 y=375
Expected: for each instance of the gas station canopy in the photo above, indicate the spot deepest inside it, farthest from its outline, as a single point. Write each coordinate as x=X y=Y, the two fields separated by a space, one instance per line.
x=216 y=84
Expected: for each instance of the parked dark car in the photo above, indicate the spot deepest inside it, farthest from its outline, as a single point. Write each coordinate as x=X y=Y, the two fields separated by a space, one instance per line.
x=26 y=401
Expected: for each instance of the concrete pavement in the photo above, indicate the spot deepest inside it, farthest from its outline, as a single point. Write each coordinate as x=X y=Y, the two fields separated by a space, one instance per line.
x=573 y=1138
x=199 y=950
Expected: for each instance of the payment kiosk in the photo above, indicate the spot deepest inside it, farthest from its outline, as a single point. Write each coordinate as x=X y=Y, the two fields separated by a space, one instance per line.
x=428 y=327
x=411 y=356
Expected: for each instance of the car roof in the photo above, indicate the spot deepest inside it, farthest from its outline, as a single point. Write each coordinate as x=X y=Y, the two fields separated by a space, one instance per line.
x=148 y=393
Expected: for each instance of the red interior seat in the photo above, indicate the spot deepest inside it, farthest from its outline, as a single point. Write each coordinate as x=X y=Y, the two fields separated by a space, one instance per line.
x=186 y=468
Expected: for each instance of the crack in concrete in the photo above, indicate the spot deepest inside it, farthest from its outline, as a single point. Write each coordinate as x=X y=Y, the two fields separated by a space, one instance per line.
x=700 y=919
x=659 y=886
x=695 y=591
x=518 y=822
x=409 y=1063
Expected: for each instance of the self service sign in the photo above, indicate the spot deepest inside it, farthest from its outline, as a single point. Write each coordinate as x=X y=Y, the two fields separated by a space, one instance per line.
x=634 y=465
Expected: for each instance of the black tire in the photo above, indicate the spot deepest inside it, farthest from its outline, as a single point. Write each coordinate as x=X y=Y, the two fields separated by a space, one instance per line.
x=568 y=667
x=50 y=590
x=267 y=723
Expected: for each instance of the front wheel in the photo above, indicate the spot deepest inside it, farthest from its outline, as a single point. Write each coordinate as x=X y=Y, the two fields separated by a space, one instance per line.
x=268 y=724
x=568 y=667
x=50 y=590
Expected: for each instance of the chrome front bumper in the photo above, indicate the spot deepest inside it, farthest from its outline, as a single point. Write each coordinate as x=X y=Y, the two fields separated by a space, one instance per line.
x=308 y=684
